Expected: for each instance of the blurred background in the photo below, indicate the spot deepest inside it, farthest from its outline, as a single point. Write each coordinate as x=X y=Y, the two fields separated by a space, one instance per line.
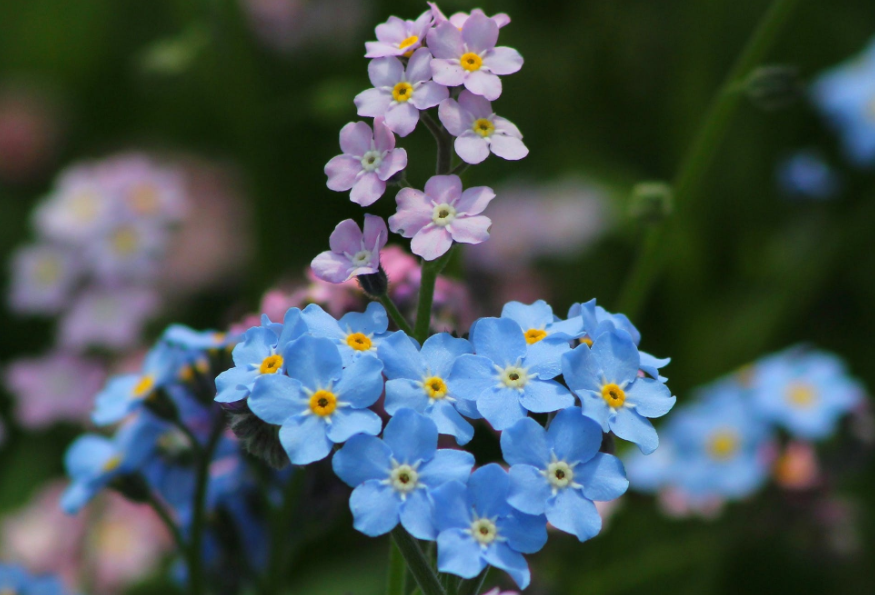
x=241 y=102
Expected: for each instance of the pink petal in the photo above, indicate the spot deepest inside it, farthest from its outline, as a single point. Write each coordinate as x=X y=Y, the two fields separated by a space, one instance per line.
x=480 y=33
x=355 y=139
x=482 y=83
x=385 y=72
x=454 y=118
x=428 y=95
x=479 y=107
x=393 y=162
x=501 y=19
x=376 y=233
x=470 y=230
x=384 y=140
x=341 y=172
x=439 y=16
x=503 y=60
x=472 y=148
x=508 y=147
x=367 y=189
x=394 y=30
x=414 y=212
x=372 y=102
x=445 y=42
x=443 y=189
x=422 y=24
x=346 y=237
x=402 y=118
x=379 y=49
x=419 y=66
x=447 y=73
x=474 y=200
x=431 y=242
x=503 y=126
x=458 y=19
x=331 y=267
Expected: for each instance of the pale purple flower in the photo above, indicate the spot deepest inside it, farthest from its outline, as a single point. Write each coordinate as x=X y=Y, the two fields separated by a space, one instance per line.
x=42 y=279
x=459 y=18
x=469 y=57
x=130 y=250
x=78 y=208
x=142 y=189
x=478 y=130
x=112 y=318
x=441 y=215
x=353 y=252
x=399 y=94
x=369 y=159
x=397 y=37
x=55 y=387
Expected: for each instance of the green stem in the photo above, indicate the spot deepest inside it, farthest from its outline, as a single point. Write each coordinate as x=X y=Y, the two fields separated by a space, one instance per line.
x=397 y=579
x=395 y=314
x=444 y=144
x=192 y=439
x=475 y=585
x=702 y=151
x=419 y=565
x=168 y=521
x=195 y=571
x=279 y=532
x=430 y=271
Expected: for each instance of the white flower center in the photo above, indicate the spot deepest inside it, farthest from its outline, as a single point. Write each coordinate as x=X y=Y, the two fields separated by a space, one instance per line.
x=484 y=531
x=361 y=258
x=514 y=376
x=443 y=215
x=403 y=479
x=560 y=474
x=371 y=160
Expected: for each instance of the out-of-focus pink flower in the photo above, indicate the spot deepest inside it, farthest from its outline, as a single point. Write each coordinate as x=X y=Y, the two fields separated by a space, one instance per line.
x=400 y=268
x=397 y=37
x=354 y=251
x=458 y=19
x=52 y=388
x=797 y=467
x=29 y=133
x=478 y=130
x=43 y=276
x=607 y=510
x=497 y=591
x=677 y=504
x=111 y=318
x=289 y=25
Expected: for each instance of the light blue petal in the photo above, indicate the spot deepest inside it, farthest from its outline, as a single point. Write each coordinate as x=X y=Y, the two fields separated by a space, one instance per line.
x=450 y=422
x=117 y=400
x=595 y=408
x=373 y=321
x=322 y=324
x=470 y=377
x=374 y=508
x=651 y=398
x=361 y=384
x=315 y=362
x=629 y=425
x=568 y=329
x=256 y=345
x=440 y=351
x=446 y=465
x=501 y=556
x=525 y=442
x=293 y=327
x=459 y=554
x=501 y=407
x=650 y=365
x=304 y=440
x=501 y=340
x=603 y=478
x=488 y=487
x=572 y=513
x=573 y=437
x=402 y=393
x=135 y=441
x=525 y=533
x=400 y=357
x=234 y=384
x=417 y=513
x=87 y=455
x=537 y=315
x=362 y=458
x=529 y=490
x=451 y=506
x=617 y=357
x=347 y=422
x=545 y=396
x=544 y=358
x=276 y=397
x=467 y=408
x=77 y=495
x=580 y=370
x=411 y=436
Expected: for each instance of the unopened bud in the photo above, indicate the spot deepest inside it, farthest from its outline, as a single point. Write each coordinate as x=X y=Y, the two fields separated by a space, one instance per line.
x=257 y=437
x=651 y=202
x=773 y=87
x=376 y=284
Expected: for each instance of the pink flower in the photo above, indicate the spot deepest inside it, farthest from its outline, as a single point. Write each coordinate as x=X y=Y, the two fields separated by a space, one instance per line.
x=458 y=19
x=497 y=591
x=797 y=467
x=368 y=160
x=397 y=37
x=43 y=276
x=353 y=252
x=399 y=94
x=478 y=130
x=441 y=215
x=469 y=57
x=112 y=318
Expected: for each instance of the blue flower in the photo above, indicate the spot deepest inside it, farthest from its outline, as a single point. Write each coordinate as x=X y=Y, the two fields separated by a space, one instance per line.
x=560 y=471
x=806 y=175
x=16 y=581
x=605 y=377
x=505 y=378
x=190 y=339
x=804 y=392
x=93 y=461
x=418 y=379
x=393 y=477
x=319 y=403
x=476 y=526
x=259 y=355
x=541 y=329
x=596 y=321
x=355 y=334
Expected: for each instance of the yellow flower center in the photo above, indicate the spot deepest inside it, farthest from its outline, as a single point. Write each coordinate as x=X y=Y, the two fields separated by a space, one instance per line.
x=435 y=387
x=406 y=43
x=586 y=341
x=125 y=241
x=402 y=92
x=533 y=335
x=801 y=395
x=112 y=464
x=144 y=199
x=323 y=403
x=144 y=386
x=186 y=374
x=471 y=61
x=723 y=445
x=271 y=364
x=483 y=127
x=47 y=270
x=613 y=395
x=84 y=206
x=359 y=341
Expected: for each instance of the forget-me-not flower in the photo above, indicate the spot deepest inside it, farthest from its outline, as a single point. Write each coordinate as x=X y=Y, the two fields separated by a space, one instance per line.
x=356 y=333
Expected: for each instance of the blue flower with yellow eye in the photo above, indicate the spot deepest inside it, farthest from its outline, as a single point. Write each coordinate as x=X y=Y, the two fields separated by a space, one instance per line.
x=355 y=334
x=505 y=378
x=595 y=320
x=542 y=330
x=14 y=580
x=318 y=402
x=393 y=477
x=605 y=377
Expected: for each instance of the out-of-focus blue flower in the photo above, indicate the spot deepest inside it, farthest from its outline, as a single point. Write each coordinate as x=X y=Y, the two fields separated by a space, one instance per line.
x=94 y=461
x=846 y=96
x=541 y=329
x=355 y=334
x=805 y=392
x=605 y=377
x=418 y=379
x=14 y=580
x=189 y=339
x=393 y=477
x=560 y=471
x=806 y=175
x=319 y=403
x=476 y=526
x=258 y=355
x=506 y=378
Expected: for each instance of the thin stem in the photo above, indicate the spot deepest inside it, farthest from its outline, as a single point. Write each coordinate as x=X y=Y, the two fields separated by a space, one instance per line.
x=396 y=583
x=460 y=169
x=430 y=271
x=444 y=144
x=193 y=441
x=702 y=151
x=280 y=536
x=395 y=314
x=475 y=585
x=164 y=514
x=196 y=575
x=419 y=565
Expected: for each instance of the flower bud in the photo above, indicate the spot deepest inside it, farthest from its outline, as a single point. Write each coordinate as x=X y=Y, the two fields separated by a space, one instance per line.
x=376 y=284
x=651 y=202
x=256 y=436
x=773 y=87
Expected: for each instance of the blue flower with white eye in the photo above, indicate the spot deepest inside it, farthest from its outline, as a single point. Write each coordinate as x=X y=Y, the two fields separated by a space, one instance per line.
x=14 y=580
x=418 y=379
x=505 y=378
x=605 y=377
x=317 y=401
x=559 y=471
x=393 y=477
x=128 y=393
x=93 y=461
x=476 y=526
x=258 y=355
x=804 y=392
x=355 y=334
x=541 y=329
